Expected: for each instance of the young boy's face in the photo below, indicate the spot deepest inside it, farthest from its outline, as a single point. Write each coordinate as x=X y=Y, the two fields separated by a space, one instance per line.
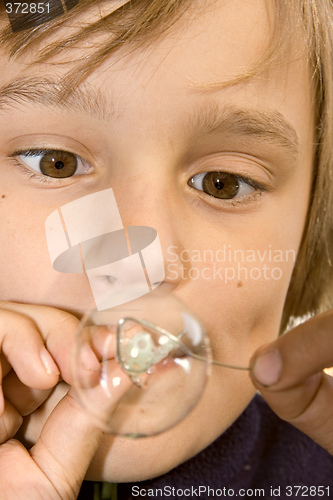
x=150 y=130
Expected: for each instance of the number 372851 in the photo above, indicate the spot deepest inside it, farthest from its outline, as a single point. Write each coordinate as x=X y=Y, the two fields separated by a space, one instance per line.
x=25 y=8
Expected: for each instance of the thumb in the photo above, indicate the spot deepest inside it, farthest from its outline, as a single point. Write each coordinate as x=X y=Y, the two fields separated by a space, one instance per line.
x=290 y=375
x=69 y=441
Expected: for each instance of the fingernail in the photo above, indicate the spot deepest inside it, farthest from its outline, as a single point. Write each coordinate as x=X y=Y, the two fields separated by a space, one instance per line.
x=88 y=359
x=267 y=368
x=49 y=365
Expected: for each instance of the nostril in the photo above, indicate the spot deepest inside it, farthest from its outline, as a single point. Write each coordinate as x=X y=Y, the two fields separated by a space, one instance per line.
x=111 y=279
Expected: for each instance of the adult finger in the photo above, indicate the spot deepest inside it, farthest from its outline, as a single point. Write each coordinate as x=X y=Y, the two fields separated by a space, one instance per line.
x=289 y=374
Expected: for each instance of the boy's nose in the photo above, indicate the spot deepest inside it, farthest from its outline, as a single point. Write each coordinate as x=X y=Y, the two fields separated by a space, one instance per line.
x=121 y=263
x=137 y=269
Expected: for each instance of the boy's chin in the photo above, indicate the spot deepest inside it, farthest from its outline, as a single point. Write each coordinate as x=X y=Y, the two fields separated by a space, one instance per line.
x=131 y=460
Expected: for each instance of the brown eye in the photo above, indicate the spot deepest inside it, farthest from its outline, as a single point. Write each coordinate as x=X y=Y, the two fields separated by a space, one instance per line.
x=54 y=163
x=58 y=164
x=220 y=185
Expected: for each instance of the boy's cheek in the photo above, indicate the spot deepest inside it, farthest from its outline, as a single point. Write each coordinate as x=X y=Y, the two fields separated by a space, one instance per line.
x=25 y=264
x=28 y=276
x=237 y=297
x=40 y=284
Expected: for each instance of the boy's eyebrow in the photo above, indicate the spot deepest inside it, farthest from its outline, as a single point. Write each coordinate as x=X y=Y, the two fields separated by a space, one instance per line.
x=268 y=125
x=44 y=91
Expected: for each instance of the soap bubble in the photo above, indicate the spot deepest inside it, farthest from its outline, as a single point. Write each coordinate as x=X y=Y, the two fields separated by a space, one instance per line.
x=140 y=368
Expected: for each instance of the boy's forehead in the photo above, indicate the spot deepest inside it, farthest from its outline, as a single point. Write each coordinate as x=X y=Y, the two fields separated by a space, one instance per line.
x=236 y=31
x=209 y=45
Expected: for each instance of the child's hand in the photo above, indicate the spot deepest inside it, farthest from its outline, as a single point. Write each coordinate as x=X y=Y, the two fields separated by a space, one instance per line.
x=289 y=374
x=55 y=467
x=27 y=335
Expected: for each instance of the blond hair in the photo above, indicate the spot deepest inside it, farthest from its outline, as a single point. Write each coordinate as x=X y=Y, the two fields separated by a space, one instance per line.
x=142 y=21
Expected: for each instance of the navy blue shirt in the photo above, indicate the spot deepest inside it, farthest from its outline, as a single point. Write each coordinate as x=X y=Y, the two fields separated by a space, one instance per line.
x=259 y=456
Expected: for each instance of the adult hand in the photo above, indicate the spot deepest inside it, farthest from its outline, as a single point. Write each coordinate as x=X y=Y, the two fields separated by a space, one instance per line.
x=290 y=375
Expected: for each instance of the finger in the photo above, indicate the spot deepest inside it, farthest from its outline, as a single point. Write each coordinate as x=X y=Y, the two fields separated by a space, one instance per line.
x=20 y=479
x=5 y=366
x=56 y=328
x=2 y=400
x=97 y=393
x=69 y=441
x=24 y=349
x=102 y=340
x=10 y=422
x=88 y=347
x=31 y=428
x=25 y=399
x=289 y=374
x=59 y=329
